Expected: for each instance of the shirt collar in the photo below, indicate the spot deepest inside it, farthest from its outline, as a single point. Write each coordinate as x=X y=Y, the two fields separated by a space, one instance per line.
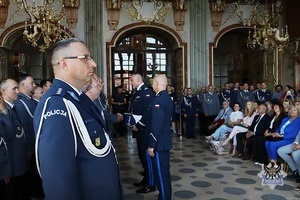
x=76 y=90
x=138 y=88
x=10 y=104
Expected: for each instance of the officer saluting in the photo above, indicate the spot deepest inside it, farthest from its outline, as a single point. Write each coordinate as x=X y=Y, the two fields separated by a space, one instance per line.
x=75 y=156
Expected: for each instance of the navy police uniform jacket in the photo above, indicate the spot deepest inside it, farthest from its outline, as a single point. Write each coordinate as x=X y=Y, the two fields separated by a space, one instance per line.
x=16 y=144
x=6 y=131
x=262 y=96
x=190 y=105
x=140 y=103
x=74 y=163
x=161 y=111
x=26 y=112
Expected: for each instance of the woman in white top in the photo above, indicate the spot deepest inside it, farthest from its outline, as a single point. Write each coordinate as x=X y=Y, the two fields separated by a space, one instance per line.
x=250 y=113
x=235 y=118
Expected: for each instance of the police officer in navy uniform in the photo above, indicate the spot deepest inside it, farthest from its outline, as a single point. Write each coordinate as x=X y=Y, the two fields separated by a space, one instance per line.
x=160 y=139
x=25 y=107
x=119 y=104
x=226 y=94
x=190 y=111
x=7 y=131
x=140 y=104
x=93 y=91
x=75 y=156
x=16 y=145
x=263 y=95
x=245 y=95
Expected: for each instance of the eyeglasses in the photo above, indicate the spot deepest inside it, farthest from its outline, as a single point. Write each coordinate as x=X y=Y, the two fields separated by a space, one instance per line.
x=86 y=57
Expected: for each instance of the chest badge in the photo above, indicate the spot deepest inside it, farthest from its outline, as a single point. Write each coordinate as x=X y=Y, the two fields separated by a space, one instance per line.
x=97 y=142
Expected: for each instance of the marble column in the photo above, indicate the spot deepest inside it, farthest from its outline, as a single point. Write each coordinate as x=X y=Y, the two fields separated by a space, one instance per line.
x=93 y=37
x=198 y=47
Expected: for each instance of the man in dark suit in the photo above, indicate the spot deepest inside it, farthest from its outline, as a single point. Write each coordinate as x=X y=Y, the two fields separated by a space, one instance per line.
x=76 y=158
x=160 y=139
x=141 y=101
x=257 y=129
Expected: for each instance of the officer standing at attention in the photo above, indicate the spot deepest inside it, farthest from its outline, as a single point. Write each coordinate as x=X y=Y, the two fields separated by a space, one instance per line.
x=160 y=139
x=7 y=131
x=75 y=155
x=16 y=144
x=190 y=111
x=263 y=95
x=25 y=107
x=141 y=101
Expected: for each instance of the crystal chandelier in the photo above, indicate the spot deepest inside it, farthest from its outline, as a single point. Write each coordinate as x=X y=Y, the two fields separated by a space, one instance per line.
x=44 y=26
x=266 y=32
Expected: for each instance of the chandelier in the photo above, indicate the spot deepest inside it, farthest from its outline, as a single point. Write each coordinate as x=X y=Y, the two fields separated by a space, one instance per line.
x=44 y=28
x=266 y=32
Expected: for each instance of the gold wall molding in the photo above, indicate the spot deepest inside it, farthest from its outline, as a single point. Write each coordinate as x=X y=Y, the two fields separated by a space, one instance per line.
x=148 y=10
x=113 y=13
x=217 y=8
x=71 y=10
x=179 y=10
x=3 y=12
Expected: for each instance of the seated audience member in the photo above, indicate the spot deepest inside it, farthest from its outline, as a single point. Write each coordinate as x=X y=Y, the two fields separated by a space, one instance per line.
x=286 y=91
x=222 y=117
x=249 y=114
x=278 y=93
x=291 y=154
x=270 y=110
x=256 y=132
x=285 y=133
x=235 y=118
x=259 y=150
x=286 y=105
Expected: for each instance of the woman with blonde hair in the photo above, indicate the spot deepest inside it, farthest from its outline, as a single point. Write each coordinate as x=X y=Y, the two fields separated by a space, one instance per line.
x=285 y=133
x=249 y=114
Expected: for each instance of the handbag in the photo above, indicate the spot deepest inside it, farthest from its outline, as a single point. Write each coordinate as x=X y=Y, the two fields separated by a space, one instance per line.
x=218 y=123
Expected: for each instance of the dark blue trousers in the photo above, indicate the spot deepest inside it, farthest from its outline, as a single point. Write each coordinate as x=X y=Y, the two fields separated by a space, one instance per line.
x=190 y=125
x=142 y=145
x=162 y=176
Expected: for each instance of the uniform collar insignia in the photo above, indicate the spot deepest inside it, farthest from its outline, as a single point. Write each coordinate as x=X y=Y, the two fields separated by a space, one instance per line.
x=73 y=95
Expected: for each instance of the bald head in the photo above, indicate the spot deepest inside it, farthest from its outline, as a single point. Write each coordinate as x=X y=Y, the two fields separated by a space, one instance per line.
x=160 y=82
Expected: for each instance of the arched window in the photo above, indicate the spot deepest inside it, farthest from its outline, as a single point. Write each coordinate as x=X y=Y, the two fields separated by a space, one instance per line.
x=141 y=53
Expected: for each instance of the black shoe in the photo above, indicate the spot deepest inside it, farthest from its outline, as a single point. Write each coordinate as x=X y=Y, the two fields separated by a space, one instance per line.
x=146 y=189
x=140 y=184
x=294 y=175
